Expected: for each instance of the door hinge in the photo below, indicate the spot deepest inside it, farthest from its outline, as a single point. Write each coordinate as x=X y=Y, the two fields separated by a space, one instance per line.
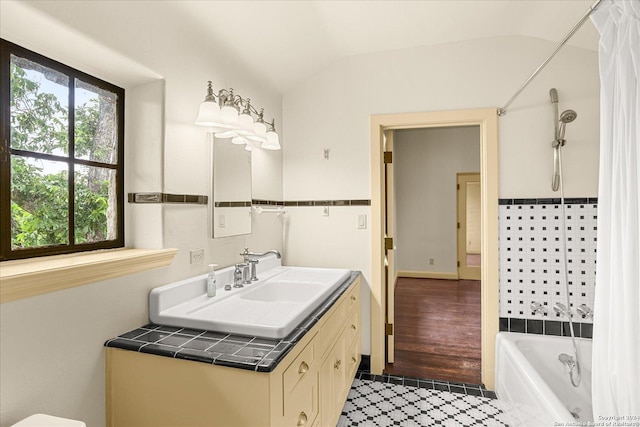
x=388 y=243
x=458 y=225
x=388 y=329
x=457 y=186
x=388 y=157
x=458 y=263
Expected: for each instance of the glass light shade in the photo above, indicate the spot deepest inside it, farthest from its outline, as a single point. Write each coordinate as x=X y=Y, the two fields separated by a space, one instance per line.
x=229 y=116
x=209 y=114
x=273 y=141
x=260 y=129
x=239 y=140
x=245 y=121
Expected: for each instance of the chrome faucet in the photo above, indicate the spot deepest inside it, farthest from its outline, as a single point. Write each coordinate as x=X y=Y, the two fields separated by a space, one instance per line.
x=256 y=255
x=249 y=258
x=239 y=274
x=537 y=307
x=252 y=267
x=585 y=311
x=561 y=309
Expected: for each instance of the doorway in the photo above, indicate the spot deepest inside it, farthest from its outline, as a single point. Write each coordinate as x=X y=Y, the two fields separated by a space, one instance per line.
x=436 y=326
x=382 y=244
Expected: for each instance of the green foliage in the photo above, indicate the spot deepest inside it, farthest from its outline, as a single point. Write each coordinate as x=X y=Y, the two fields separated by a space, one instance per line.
x=40 y=197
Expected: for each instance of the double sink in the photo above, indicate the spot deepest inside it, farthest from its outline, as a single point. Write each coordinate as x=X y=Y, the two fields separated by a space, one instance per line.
x=271 y=307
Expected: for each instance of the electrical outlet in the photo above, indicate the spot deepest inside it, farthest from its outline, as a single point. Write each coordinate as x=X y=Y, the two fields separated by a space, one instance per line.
x=430 y=261
x=197 y=256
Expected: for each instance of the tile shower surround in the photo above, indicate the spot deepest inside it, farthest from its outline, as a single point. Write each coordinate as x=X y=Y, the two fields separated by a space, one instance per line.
x=531 y=263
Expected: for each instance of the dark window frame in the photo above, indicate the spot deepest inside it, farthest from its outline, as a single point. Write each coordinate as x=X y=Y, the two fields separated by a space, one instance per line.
x=6 y=252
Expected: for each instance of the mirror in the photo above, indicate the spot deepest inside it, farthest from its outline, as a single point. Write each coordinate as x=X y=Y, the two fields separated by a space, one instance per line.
x=231 y=188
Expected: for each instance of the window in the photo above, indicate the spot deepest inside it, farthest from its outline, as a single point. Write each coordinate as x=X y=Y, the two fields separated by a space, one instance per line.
x=61 y=158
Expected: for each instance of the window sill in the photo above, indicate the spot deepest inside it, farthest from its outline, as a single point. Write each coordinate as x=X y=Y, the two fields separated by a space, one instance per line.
x=26 y=278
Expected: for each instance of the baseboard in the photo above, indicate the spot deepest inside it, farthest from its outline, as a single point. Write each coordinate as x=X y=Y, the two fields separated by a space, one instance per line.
x=428 y=275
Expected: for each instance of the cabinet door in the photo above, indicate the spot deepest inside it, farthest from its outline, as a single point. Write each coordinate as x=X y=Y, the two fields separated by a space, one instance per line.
x=339 y=366
x=332 y=383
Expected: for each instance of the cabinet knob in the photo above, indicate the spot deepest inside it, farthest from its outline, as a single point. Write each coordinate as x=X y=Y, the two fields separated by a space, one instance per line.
x=337 y=364
x=353 y=327
x=353 y=297
x=302 y=419
x=354 y=360
x=303 y=367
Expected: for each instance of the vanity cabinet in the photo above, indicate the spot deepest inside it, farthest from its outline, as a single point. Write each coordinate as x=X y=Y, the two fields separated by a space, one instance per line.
x=307 y=388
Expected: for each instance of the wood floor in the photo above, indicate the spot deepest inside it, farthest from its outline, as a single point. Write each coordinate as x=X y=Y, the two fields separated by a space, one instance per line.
x=437 y=329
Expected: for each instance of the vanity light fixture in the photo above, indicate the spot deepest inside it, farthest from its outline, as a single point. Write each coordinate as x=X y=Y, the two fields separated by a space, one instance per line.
x=232 y=116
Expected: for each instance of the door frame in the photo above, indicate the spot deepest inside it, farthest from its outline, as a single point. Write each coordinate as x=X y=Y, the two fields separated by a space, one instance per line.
x=464 y=271
x=487 y=120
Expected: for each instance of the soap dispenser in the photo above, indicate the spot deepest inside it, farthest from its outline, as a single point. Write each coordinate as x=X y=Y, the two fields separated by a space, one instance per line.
x=211 y=281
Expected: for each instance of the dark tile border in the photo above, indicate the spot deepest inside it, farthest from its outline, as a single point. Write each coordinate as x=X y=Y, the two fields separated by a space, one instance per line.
x=545 y=327
x=236 y=351
x=239 y=204
x=191 y=199
x=550 y=201
x=345 y=202
x=453 y=387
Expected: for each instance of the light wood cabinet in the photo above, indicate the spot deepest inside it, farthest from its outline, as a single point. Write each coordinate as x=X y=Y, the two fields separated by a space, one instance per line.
x=307 y=388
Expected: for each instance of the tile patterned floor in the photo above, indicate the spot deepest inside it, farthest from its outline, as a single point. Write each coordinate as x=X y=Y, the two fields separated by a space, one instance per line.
x=377 y=401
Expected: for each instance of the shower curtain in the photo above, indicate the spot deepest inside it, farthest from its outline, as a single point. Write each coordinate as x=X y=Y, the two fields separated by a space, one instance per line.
x=616 y=331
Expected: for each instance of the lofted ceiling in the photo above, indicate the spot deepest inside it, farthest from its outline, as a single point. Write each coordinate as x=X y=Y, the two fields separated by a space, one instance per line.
x=289 y=41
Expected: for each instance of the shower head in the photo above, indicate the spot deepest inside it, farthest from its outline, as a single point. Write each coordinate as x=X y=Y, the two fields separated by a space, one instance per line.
x=568 y=116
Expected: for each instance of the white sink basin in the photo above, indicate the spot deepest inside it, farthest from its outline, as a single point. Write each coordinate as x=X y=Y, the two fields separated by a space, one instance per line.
x=271 y=307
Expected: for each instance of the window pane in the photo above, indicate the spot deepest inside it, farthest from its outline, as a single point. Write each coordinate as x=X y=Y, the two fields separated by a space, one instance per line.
x=39 y=203
x=39 y=108
x=96 y=127
x=95 y=204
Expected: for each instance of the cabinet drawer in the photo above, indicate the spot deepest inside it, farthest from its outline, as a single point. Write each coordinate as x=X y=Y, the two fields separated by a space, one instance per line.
x=301 y=367
x=301 y=407
x=333 y=326
x=353 y=297
x=353 y=327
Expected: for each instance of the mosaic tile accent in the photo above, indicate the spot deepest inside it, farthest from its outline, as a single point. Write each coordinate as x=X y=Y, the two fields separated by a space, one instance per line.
x=236 y=351
x=531 y=266
x=374 y=403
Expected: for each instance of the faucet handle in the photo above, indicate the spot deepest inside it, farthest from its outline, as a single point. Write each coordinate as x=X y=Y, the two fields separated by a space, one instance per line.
x=537 y=307
x=585 y=311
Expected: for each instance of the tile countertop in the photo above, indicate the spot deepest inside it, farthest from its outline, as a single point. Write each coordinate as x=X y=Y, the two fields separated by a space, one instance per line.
x=218 y=348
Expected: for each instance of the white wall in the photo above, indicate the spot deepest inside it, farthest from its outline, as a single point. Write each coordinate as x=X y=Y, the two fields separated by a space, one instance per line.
x=425 y=165
x=51 y=346
x=332 y=108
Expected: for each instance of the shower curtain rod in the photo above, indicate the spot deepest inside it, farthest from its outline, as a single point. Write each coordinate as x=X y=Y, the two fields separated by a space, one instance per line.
x=502 y=111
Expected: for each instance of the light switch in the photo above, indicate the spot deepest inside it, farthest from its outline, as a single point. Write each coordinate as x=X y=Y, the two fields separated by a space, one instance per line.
x=362 y=221
x=325 y=211
x=221 y=221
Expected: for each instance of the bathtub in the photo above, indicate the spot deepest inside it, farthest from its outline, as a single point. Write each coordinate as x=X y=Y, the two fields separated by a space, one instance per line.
x=530 y=376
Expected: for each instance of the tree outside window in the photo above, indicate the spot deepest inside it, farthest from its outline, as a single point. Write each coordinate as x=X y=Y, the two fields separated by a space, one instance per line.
x=62 y=158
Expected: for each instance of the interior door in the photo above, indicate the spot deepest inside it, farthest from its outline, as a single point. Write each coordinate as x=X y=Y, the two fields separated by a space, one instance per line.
x=469 y=226
x=390 y=266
